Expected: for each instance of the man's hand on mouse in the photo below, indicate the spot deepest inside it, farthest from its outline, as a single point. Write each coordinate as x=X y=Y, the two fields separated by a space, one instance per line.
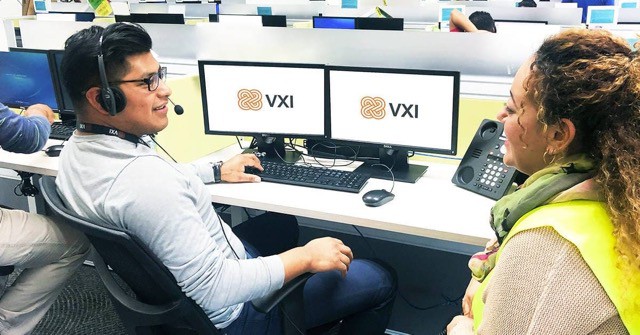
x=232 y=171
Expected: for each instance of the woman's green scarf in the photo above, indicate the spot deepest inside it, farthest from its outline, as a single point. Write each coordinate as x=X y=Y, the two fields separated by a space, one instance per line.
x=557 y=182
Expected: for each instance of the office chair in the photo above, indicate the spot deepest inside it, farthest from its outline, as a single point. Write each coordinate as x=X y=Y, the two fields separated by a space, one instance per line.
x=160 y=307
x=6 y=270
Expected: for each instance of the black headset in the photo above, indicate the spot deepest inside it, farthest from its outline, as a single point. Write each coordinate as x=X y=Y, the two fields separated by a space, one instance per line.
x=112 y=99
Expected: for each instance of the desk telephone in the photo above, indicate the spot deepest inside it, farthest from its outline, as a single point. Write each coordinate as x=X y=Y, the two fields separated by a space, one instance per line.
x=481 y=169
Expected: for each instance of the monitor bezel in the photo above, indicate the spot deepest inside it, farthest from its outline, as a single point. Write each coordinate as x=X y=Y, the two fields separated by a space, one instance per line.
x=203 y=63
x=413 y=148
x=55 y=86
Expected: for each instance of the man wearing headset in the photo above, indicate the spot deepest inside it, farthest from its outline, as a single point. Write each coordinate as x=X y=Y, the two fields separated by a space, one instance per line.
x=107 y=176
x=48 y=252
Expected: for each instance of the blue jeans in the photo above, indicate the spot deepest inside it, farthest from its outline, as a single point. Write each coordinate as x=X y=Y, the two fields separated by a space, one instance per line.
x=363 y=300
x=367 y=288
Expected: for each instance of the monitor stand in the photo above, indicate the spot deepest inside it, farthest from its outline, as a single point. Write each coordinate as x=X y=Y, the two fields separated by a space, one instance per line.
x=397 y=160
x=273 y=149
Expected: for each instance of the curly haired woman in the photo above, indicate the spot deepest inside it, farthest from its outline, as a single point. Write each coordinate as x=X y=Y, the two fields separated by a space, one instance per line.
x=567 y=258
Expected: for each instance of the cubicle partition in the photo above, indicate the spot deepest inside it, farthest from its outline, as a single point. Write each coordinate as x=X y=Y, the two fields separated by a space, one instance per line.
x=180 y=46
x=7 y=35
x=629 y=15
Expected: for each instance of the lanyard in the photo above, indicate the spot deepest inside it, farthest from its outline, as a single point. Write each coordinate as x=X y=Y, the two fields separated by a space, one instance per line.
x=103 y=130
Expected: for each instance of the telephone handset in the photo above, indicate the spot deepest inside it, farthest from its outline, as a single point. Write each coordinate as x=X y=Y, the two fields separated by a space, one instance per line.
x=481 y=169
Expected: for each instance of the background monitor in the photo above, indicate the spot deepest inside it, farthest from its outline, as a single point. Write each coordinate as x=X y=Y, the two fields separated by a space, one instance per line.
x=444 y=12
x=65 y=105
x=602 y=15
x=628 y=4
x=26 y=78
x=397 y=111
x=247 y=20
x=151 y=18
x=541 y=22
x=377 y=23
x=269 y=101
x=250 y=20
x=80 y=16
x=334 y=22
x=274 y=20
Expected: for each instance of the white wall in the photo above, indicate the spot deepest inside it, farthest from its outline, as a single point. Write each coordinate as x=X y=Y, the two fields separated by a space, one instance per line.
x=10 y=8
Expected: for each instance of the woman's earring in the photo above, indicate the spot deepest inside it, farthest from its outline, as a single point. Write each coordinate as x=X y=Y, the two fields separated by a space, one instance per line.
x=551 y=153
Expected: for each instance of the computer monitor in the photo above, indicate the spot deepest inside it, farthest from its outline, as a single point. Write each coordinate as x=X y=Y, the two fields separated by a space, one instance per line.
x=269 y=101
x=444 y=12
x=253 y=20
x=247 y=20
x=602 y=15
x=79 y=16
x=274 y=20
x=151 y=18
x=396 y=110
x=377 y=23
x=66 y=104
x=628 y=4
x=334 y=22
x=541 y=22
x=26 y=78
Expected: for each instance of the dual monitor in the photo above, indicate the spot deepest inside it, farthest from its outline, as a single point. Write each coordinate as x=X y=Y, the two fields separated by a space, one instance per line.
x=393 y=111
x=29 y=76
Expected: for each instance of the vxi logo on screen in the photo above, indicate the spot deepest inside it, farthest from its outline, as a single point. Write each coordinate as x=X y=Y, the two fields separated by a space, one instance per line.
x=376 y=108
x=252 y=100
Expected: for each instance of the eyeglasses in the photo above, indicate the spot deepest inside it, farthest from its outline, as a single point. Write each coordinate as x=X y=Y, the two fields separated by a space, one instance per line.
x=152 y=82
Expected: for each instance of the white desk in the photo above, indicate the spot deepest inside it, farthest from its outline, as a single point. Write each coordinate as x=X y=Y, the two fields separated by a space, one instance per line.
x=432 y=208
x=38 y=163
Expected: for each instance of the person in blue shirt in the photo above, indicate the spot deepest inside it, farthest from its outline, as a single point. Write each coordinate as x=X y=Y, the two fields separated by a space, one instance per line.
x=48 y=252
x=584 y=4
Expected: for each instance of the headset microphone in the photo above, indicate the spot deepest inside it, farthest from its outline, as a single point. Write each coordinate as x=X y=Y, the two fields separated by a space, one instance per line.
x=176 y=108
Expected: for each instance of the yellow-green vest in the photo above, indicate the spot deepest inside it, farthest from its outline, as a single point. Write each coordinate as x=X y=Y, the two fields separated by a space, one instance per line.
x=586 y=224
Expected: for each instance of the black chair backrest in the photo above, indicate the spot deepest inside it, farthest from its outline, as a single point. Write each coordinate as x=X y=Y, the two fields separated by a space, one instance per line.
x=149 y=279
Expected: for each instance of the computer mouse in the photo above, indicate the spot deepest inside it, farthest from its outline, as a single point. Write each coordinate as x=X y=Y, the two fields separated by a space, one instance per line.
x=375 y=198
x=54 y=150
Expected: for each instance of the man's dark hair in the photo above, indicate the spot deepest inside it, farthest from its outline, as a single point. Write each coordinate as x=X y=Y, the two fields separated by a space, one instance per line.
x=483 y=21
x=80 y=61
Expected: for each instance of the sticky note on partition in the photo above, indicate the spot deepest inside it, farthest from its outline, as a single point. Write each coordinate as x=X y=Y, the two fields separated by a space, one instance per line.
x=349 y=3
x=264 y=10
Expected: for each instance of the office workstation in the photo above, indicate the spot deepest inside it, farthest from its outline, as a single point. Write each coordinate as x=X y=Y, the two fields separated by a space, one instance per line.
x=414 y=218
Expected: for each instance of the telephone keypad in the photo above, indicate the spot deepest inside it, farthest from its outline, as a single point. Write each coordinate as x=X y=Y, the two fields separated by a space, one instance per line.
x=493 y=172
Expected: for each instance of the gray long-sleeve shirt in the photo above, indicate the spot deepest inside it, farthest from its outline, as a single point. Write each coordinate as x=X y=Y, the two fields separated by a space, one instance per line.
x=116 y=182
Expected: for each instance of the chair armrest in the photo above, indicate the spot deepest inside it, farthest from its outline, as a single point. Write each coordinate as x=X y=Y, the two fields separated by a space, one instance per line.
x=266 y=303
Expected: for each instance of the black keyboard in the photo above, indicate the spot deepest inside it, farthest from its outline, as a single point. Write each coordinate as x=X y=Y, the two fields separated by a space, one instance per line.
x=61 y=131
x=318 y=177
